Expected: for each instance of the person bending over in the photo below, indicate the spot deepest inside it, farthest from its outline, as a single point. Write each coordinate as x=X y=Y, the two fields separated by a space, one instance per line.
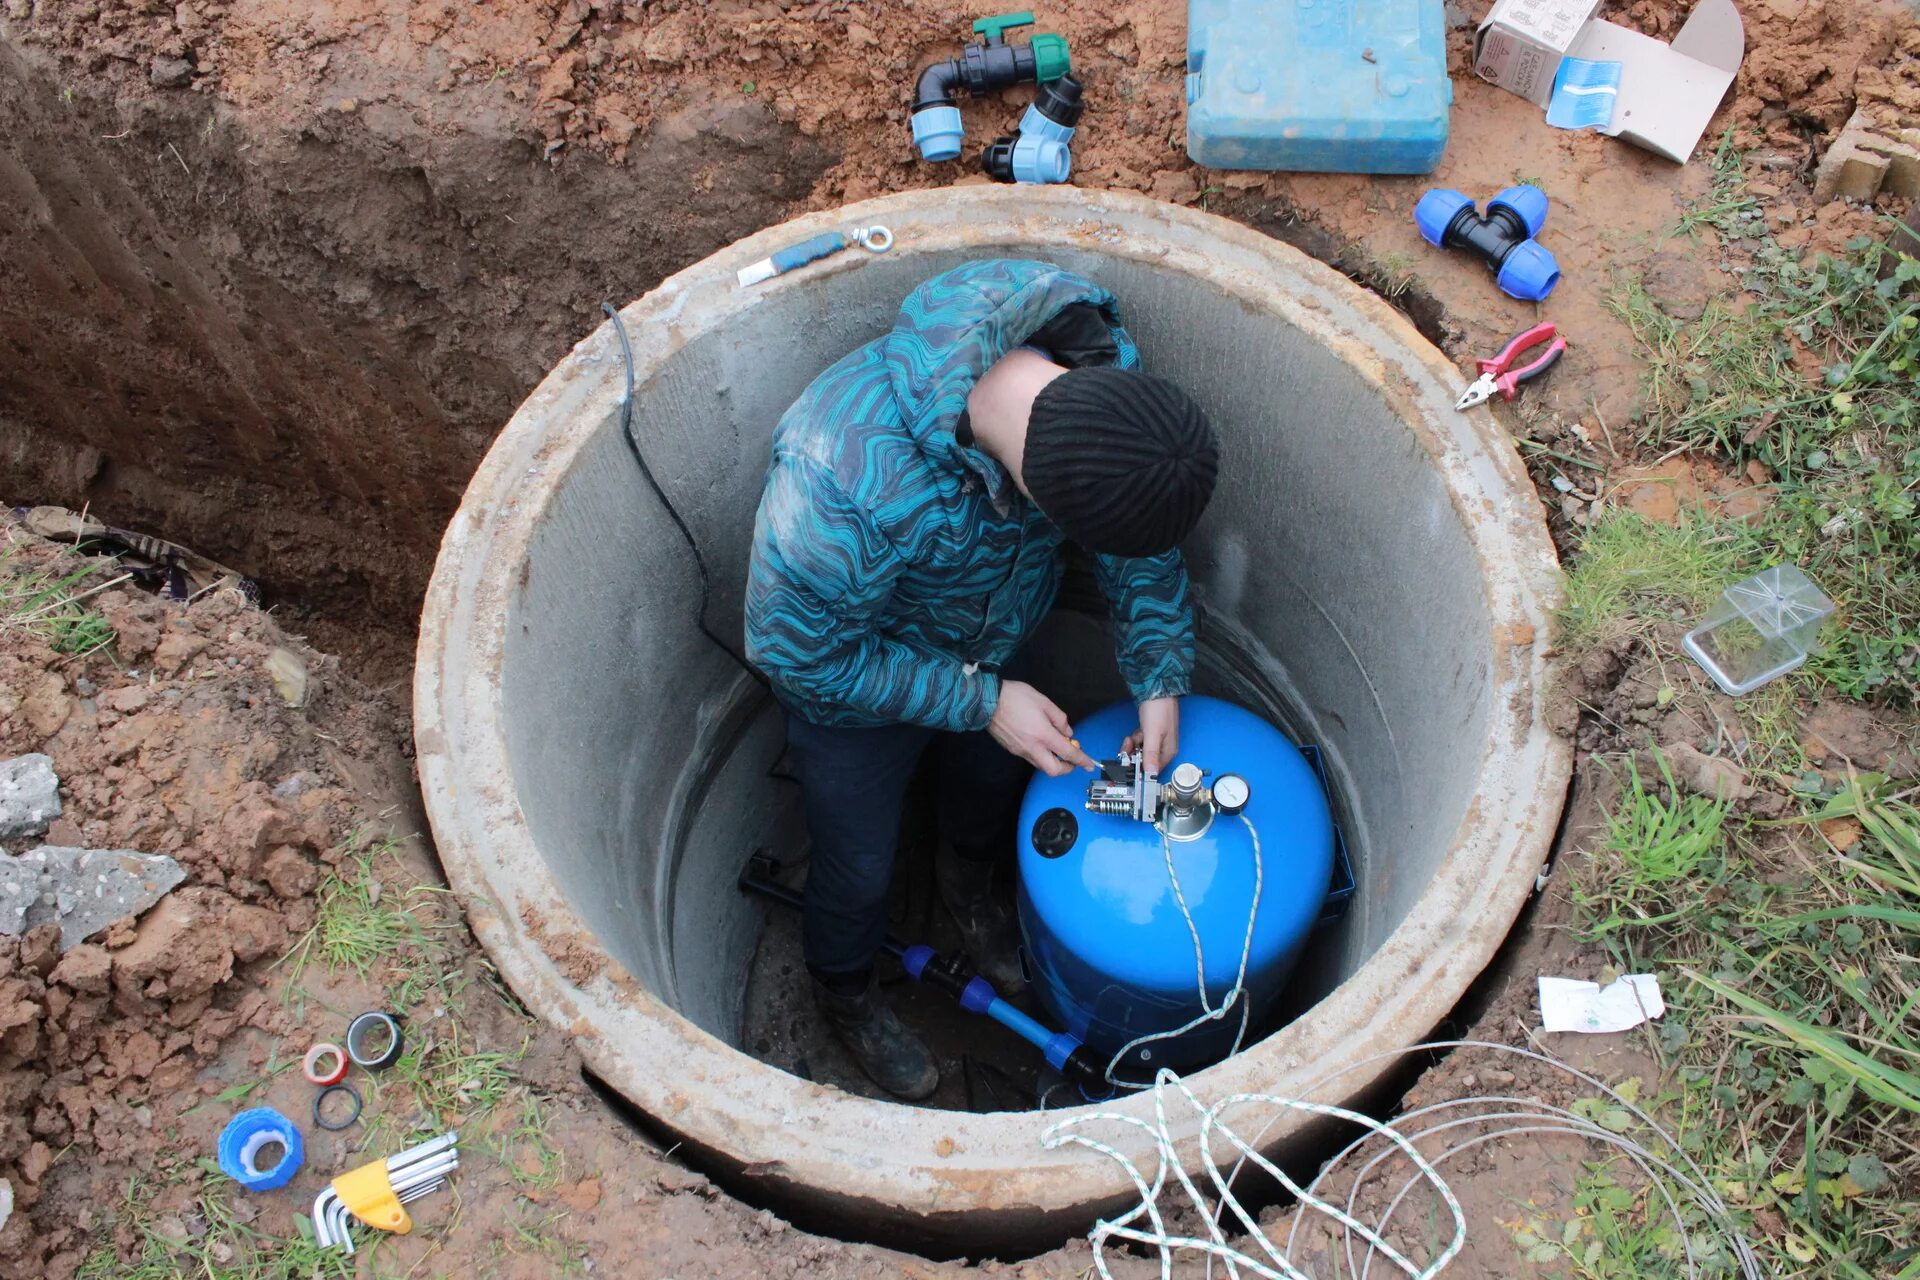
x=908 y=542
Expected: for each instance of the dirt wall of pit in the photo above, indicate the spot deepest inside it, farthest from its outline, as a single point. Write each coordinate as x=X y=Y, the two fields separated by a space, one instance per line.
x=288 y=350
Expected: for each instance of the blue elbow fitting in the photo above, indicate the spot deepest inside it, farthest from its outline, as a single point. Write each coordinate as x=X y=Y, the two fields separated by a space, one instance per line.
x=1041 y=152
x=1504 y=237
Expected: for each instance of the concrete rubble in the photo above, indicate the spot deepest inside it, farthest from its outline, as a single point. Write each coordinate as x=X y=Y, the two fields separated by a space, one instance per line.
x=1868 y=157
x=29 y=796
x=81 y=890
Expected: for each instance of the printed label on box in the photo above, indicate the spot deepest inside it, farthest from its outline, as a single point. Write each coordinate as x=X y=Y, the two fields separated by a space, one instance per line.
x=1554 y=23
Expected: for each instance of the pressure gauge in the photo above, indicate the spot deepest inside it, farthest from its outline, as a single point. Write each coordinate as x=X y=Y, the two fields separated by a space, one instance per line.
x=1230 y=793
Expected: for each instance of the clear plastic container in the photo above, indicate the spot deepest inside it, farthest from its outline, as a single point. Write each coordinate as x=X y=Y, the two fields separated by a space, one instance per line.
x=1760 y=629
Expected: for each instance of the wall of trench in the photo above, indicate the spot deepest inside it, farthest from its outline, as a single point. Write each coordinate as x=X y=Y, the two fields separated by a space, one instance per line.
x=289 y=349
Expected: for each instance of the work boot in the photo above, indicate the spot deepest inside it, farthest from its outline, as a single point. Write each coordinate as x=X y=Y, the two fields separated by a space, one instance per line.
x=892 y=1056
x=987 y=925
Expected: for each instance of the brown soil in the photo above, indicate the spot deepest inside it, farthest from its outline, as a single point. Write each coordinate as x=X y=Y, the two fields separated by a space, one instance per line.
x=277 y=274
x=120 y=1059
x=274 y=274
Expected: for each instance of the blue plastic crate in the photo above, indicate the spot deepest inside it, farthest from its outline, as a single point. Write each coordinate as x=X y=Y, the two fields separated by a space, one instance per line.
x=1340 y=890
x=1336 y=86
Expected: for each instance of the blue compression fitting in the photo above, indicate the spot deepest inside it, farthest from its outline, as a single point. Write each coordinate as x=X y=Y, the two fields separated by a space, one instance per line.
x=241 y=1141
x=937 y=131
x=915 y=959
x=1059 y=1049
x=978 y=996
x=1035 y=124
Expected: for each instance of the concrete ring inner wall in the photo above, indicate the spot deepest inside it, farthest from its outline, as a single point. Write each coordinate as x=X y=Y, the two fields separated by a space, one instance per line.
x=1374 y=572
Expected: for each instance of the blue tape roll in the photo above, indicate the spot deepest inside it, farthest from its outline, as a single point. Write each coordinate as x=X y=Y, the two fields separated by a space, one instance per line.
x=242 y=1141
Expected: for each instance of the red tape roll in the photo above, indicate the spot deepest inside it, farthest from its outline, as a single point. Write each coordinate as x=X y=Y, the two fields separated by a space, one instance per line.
x=334 y=1074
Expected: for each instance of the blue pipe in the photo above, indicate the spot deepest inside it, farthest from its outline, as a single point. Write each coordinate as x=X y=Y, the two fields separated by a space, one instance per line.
x=1063 y=1052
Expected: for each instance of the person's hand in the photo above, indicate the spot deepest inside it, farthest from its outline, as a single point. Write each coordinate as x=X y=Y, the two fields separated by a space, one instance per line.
x=1027 y=724
x=1158 y=736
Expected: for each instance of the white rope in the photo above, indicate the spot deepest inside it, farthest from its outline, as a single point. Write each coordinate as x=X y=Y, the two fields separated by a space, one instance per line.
x=1529 y=1117
x=1678 y=1181
x=1237 y=994
x=1278 y=1265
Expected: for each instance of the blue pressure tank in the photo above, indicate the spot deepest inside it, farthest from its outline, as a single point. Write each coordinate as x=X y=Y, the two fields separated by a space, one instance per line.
x=1109 y=949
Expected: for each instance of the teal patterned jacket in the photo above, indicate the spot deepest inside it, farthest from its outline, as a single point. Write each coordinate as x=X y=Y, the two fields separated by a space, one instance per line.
x=894 y=569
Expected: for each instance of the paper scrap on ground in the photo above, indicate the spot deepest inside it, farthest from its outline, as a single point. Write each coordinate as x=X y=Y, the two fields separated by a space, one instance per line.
x=1584 y=92
x=1568 y=1004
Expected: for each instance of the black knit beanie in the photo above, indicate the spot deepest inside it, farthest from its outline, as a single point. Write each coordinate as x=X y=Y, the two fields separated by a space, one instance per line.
x=1122 y=461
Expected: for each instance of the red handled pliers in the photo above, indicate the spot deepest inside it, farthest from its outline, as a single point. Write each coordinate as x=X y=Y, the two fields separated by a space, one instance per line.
x=1499 y=375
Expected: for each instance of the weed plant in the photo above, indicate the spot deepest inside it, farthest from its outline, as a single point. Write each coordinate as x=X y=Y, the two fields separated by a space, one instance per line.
x=1787 y=955
x=1788 y=952
x=1812 y=374
x=218 y=1244
x=50 y=603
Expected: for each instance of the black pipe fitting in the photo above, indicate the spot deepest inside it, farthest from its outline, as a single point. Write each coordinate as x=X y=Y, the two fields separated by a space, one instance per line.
x=981 y=68
x=1504 y=237
x=1041 y=150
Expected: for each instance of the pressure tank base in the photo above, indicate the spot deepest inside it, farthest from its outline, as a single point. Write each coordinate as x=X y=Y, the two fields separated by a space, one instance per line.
x=1374 y=573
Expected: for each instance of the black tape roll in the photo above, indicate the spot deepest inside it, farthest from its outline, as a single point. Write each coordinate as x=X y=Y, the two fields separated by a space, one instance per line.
x=371 y=1022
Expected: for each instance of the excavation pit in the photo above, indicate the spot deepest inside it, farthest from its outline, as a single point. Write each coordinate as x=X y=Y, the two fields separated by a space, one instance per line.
x=1374 y=574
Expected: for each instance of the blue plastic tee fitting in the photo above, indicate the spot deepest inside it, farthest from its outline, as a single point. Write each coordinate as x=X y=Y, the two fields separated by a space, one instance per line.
x=1505 y=237
x=1041 y=151
x=246 y=1135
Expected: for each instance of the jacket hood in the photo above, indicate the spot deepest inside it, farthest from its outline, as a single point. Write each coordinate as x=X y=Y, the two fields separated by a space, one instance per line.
x=951 y=330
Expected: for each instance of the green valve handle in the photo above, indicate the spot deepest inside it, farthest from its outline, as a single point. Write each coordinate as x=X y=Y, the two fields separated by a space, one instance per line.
x=996 y=28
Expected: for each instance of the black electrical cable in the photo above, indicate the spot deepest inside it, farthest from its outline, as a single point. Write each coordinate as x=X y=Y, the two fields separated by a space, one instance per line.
x=699 y=558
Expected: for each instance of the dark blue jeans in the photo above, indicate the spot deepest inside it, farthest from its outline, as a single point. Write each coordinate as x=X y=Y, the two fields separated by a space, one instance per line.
x=853 y=784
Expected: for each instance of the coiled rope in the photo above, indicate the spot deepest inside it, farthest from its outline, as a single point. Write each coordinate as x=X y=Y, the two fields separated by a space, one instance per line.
x=1678 y=1182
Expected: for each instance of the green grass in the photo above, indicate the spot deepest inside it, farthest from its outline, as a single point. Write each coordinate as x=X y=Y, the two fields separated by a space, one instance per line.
x=1813 y=375
x=1792 y=978
x=1632 y=573
x=1660 y=834
x=50 y=603
x=533 y=1234
x=228 y=1249
x=450 y=1078
x=1388 y=274
x=360 y=925
x=525 y=1149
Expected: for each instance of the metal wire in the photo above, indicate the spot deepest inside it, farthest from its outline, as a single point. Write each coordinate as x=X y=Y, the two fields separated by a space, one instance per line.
x=1677 y=1178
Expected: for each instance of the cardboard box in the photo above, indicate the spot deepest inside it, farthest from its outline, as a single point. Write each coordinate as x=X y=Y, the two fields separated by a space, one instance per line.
x=1520 y=44
x=1668 y=93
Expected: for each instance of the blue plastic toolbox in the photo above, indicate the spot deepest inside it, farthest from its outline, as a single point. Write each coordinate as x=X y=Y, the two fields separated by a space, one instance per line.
x=1339 y=86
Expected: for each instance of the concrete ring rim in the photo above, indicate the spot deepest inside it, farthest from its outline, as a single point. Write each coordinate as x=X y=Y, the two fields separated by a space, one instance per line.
x=922 y=1181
